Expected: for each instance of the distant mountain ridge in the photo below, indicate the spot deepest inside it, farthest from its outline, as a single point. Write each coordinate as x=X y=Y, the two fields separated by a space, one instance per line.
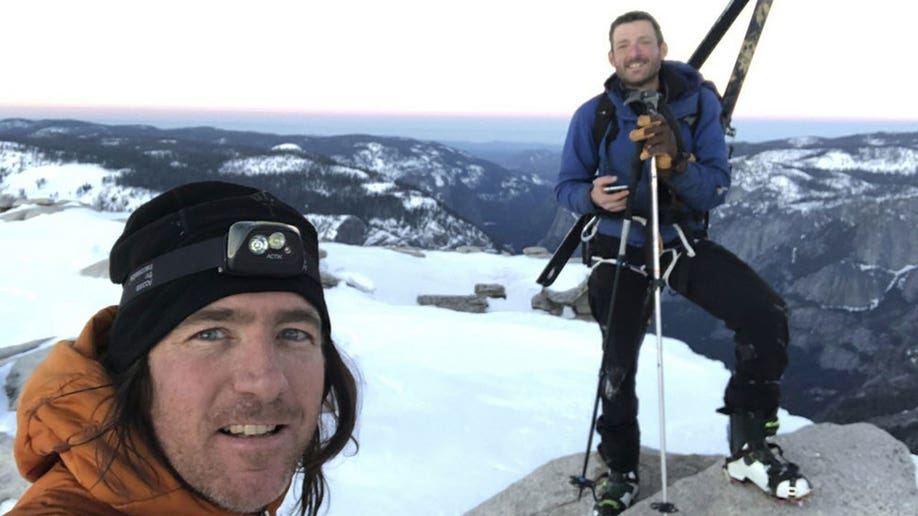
x=828 y=222
x=142 y=159
x=513 y=207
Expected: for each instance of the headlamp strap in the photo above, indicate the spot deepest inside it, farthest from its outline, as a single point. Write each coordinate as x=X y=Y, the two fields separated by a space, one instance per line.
x=197 y=257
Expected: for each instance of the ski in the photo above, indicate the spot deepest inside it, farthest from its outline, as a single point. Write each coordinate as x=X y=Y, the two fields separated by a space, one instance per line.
x=713 y=37
x=741 y=67
x=559 y=259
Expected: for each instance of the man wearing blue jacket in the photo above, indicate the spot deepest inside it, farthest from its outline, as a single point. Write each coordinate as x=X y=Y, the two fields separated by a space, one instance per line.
x=685 y=137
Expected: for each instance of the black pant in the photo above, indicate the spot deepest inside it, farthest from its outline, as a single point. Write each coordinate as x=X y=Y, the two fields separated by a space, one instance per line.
x=719 y=282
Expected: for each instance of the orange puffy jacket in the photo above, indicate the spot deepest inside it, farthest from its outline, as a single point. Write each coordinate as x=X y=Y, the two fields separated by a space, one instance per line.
x=62 y=404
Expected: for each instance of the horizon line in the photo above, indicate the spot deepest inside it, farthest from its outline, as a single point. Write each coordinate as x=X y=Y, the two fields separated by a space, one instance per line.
x=138 y=111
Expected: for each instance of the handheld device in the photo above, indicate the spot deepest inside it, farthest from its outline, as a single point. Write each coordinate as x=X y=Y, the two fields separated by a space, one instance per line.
x=614 y=188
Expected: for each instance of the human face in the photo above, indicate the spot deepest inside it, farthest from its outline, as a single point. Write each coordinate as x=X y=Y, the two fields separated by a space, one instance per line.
x=636 y=55
x=237 y=389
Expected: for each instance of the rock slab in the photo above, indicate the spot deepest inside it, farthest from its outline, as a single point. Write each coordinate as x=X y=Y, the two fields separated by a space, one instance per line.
x=855 y=469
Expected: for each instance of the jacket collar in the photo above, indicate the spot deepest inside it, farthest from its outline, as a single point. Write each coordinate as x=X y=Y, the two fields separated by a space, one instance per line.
x=674 y=82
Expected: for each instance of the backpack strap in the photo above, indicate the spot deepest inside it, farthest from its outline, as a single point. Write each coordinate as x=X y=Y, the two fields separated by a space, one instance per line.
x=692 y=120
x=605 y=121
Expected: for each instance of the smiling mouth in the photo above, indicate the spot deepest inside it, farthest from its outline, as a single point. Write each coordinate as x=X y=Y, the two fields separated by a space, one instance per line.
x=250 y=430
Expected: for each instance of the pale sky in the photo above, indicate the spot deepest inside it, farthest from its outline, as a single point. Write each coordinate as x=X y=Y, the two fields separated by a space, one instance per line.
x=816 y=59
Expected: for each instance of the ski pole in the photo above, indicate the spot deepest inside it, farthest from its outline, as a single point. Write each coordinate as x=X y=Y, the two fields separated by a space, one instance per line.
x=663 y=506
x=651 y=100
x=582 y=481
x=607 y=338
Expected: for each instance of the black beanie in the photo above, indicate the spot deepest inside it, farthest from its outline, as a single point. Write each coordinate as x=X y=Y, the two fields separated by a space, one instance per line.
x=190 y=214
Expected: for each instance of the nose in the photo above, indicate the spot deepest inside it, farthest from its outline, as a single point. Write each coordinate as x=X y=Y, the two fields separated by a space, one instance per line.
x=633 y=51
x=258 y=369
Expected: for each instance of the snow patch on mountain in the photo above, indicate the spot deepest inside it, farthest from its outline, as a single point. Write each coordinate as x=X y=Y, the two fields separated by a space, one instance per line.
x=789 y=190
x=14 y=123
x=85 y=183
x=15 y=157
x=803 y=141
x=784 y=155
x=260 y=165
x=159 y=153
x=813 y=178
x=423 y=160
x=284 y=164
x=414 y=218
x=347 y=171
x=287 y=147
x=378 y=187
x=875 y=157
x=52 y=131
x=884 y=160
x=416 y=200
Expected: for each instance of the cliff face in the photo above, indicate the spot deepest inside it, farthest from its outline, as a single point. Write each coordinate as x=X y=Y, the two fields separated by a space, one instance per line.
x=830 y=225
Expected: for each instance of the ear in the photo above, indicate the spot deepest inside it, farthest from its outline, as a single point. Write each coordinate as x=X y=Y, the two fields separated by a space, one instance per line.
x=663 y=50
x=612 y=58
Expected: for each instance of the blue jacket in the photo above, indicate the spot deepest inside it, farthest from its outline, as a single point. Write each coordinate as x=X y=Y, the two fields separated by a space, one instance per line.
x=705 y=182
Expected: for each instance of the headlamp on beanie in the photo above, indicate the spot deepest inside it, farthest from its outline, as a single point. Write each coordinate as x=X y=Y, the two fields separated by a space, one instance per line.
x=249 y=248
x=198 y=243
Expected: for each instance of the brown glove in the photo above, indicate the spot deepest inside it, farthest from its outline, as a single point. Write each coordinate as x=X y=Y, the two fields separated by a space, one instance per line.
x=659 y=141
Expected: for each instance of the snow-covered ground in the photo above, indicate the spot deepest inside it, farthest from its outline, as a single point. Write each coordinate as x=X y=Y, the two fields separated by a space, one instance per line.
x=455 y=406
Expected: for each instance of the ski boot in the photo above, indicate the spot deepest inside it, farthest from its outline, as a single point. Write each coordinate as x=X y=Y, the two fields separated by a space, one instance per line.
x=754 y=459
x=615 y=492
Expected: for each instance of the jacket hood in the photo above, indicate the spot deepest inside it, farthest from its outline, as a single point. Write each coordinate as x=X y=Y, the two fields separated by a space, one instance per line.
x=62 y=406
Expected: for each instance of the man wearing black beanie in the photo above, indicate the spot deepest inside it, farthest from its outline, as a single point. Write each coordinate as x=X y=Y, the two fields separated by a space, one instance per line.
x=212 y=382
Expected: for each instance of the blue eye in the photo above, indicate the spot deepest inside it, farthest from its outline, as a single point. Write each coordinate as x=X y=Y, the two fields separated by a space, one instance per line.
x=296 y=335
x=211 y=334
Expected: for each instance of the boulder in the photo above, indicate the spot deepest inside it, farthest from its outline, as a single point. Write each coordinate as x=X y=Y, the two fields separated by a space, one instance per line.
x=40 y=201
x=540 y=301
x=329 y=280
x=466 y=249
x=351 y=230
x=22 y=368
x=10 y=351
x=468 y=303
x=547 y=490
x=34 y=209
x=96 y=270
x=410 y=251
x=493 y=290
x=12 y=485
x=536 y=252
x=554 y=301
